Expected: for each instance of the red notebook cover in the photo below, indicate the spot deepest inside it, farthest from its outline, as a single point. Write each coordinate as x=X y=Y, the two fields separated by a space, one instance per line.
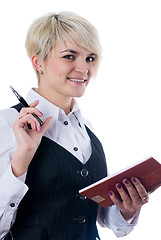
x=147 y=171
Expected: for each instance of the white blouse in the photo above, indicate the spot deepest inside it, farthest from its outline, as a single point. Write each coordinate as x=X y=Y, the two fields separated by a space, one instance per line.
x=66 y=130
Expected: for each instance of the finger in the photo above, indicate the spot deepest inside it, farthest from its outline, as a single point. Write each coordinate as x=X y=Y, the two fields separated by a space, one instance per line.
x=34 y=104
x=131 y=191
x=123 y=201
x=46 y=124
x=27 y=120
x=124 y=195
x=140 y=188
x=31 y=120
x=115 y=199
x=29 y=110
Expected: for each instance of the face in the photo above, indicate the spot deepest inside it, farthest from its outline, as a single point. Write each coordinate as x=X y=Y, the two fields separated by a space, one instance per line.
x=67 y=71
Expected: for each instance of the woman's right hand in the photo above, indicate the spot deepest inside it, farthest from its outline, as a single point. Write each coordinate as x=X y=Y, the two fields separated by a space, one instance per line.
x=28 y=140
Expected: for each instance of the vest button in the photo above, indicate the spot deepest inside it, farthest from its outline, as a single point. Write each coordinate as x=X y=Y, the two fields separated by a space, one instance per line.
x=84 y=172
x=75 y=149
x=65 y=123
x=81 y=219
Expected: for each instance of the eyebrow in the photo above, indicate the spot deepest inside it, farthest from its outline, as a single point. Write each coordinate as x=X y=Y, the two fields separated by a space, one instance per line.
x=69 y=50
x=74 y=52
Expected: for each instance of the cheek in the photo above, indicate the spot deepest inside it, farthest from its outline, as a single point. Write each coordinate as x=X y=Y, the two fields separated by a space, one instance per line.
x=60 y=70
x=65 y=68
x=92 y=72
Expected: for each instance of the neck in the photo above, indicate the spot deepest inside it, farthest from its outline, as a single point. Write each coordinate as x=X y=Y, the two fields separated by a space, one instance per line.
x=65 y=103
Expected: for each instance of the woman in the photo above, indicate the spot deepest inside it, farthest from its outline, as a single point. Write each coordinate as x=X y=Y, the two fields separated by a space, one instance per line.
x=43 y=168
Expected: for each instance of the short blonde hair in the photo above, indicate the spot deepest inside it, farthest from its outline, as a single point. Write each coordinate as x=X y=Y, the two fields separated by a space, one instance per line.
x=46 y=30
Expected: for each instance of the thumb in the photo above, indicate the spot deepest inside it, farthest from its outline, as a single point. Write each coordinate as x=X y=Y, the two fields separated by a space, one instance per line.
x=46 y=124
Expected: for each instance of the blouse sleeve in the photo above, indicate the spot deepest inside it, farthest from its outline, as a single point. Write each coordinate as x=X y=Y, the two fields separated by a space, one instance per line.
x=111 y=217
x=12 y=189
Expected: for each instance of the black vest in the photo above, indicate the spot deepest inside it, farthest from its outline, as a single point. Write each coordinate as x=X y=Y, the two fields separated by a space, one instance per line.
x=52 y=209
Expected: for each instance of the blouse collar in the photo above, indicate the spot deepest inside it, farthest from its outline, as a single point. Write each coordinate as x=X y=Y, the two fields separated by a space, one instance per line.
x=49 y=109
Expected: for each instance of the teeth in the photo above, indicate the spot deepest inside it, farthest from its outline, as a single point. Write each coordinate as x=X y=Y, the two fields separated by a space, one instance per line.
x=77 y=80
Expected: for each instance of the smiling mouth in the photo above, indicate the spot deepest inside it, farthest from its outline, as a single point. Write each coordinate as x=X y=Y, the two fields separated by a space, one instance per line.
x=77 y=80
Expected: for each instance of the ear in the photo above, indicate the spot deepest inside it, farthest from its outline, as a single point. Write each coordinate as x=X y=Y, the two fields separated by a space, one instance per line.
x=36 y=63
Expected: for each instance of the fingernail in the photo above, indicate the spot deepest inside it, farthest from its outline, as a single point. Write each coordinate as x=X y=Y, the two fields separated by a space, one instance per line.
x=41 y=112
x=110 y=193
x=134 y=179
x=126 y=181
x=118 y=186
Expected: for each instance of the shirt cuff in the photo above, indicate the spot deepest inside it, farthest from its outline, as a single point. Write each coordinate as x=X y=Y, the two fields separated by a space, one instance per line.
x=12 y=189
x=118 y=224
x=23 y=177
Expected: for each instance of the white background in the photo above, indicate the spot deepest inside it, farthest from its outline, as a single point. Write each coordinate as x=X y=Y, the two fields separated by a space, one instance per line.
x=124 y=101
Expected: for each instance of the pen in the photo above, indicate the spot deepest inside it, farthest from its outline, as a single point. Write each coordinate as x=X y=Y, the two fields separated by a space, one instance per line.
x=25 y=104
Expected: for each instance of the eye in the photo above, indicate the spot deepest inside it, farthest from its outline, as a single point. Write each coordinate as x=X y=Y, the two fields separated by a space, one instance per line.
x=90 y=59
x=69 y=57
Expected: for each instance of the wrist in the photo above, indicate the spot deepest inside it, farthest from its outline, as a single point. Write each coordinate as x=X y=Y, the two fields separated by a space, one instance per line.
x=20 y=162
x=128 y=216
x=131 y=219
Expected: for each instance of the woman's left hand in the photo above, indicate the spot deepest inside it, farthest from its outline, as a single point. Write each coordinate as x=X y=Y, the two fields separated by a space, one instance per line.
x=132 y=199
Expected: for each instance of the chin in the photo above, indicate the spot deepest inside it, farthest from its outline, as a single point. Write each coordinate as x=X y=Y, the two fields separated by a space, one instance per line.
x=78 y=95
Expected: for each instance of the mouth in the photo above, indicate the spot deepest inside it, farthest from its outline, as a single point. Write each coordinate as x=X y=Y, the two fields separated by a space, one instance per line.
x=79 y=81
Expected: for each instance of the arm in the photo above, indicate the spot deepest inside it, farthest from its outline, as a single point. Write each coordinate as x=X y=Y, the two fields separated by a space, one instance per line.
x=28 y=140
x=13 y=168
x=12 y=191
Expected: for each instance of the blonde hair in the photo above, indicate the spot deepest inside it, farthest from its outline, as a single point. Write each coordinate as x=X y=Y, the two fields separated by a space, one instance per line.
x=46 y=30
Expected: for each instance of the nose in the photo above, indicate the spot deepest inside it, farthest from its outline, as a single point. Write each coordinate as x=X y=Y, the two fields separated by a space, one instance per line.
x=81 y=66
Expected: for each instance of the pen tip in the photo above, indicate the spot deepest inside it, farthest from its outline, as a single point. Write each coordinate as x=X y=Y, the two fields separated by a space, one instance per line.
x=12 y=89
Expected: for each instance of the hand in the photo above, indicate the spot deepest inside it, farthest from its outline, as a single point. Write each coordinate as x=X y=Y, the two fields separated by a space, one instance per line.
x=132 y=199
x=28 y=140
